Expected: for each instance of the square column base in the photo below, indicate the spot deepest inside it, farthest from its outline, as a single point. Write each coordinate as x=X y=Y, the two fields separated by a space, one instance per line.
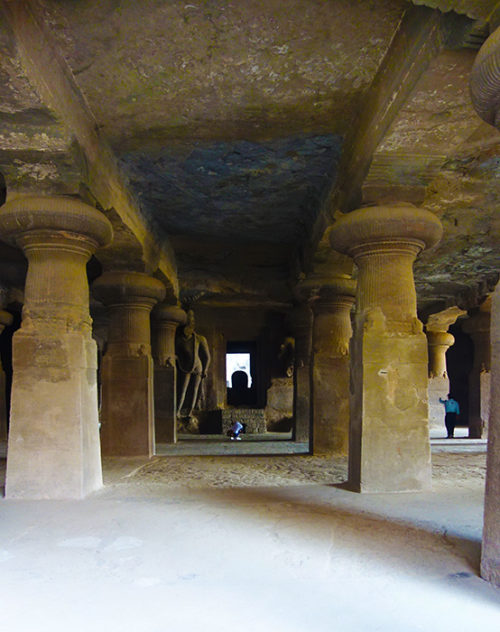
x=302 y=403
x=331 y=406
x=165 y=404
x=127 y=414
x=389 y=447
x=53 y=448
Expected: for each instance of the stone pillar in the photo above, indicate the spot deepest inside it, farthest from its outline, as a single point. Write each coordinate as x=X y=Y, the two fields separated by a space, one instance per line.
x=438 y=342
x=5 y=320
x=490 y=556
x=165 y=320
x=485 y=93
x=330 y=373
x=127 y=411
x=478 y=327
x=389 y=447
x=53 y=449
x=301 y=320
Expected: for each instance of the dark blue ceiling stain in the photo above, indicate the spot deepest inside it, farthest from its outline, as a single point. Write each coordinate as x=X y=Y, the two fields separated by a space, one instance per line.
x=264 y=192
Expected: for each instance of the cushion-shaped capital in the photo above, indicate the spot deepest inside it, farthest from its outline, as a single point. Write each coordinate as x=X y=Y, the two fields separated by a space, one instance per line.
x=440 y=338
x=485 y=80
x=124 y=286
x=169 y=313
x=59 y=214
x=386 y=224
x=337 y=287
x=6 y=319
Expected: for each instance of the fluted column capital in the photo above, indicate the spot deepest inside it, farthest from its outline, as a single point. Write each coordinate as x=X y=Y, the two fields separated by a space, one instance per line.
x=392 y=229
x=384 y=241
x=164 y=312
x=121 y=287
x=440 y=338
x=440 y=321
x=58 y=235
x=485 y=80
x=336 y=294
x=166 y=318
x=306 y=289
x=37 y=221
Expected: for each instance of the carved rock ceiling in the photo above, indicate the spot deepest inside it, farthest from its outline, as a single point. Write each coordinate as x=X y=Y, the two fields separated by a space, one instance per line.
x=228 y=120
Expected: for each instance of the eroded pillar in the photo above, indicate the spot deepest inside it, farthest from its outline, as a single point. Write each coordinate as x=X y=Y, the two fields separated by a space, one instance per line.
x=389 y=447
x=301 y=320
x=330 y=374
x=478 y=327
x=5 y=320
x=165 y=319
x=53 y=448
x=485 y=93
x=127 y=410
x=439 y=340
x=490 y=555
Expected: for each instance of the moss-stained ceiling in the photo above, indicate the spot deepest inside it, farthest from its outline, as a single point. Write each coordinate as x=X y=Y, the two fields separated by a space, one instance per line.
x=227 y=127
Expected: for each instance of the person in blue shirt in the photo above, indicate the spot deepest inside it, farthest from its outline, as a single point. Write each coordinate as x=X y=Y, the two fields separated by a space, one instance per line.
x=452 y=410
x=234 y=431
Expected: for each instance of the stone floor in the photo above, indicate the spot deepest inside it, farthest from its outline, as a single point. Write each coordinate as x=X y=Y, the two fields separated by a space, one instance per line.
x=210 y=543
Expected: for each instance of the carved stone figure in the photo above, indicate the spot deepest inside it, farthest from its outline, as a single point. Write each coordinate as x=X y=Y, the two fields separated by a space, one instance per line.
x=193 y=360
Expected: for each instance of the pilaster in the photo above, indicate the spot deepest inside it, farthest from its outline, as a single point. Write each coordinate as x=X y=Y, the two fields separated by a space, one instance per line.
x=389 y=447
x=53 y=449
x=127 y=412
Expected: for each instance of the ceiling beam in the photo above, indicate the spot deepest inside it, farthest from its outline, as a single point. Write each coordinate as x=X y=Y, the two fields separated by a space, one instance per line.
x=417 y=40
x=51 y=76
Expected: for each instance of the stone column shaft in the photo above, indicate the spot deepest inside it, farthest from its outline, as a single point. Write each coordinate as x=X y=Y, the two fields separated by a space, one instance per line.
x=330 y=374
x=439 y=385
x=490 y=557
x=485 y=93
x=301 y=323
x=53 y=449
x=166 y=319
x=5 y=320
x=389 y=439
x=439 y=340
x=478 y=327
x=438 y=343
x=127 y=411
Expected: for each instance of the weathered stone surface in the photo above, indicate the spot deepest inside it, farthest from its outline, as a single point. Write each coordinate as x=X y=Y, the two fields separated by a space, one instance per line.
x=279 y=408
x=478 y=327
x=330 y=366
x=54 y=439
x=490 y=556
x=165 y=320
x=253 y=418
x=127 y=414
x=268 y=191
x=389 y=438
x=301 y=323
x=5 y=319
